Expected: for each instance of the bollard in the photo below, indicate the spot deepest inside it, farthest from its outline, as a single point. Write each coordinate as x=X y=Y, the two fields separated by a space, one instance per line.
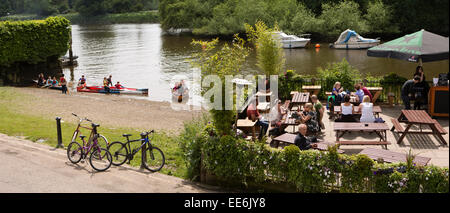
x=143 y=153
x=58 y=130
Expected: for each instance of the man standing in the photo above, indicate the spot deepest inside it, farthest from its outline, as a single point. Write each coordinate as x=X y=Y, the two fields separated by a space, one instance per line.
x=301 y=141
x=110 y=81
x=408 y=90
x=105 y=85
x=63 y=83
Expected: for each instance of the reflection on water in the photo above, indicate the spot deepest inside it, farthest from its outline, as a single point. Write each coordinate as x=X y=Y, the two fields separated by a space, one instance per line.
x=140 y=56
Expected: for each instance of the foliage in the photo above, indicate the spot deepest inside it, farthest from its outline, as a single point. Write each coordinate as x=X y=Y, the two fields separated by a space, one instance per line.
x=341 y=16
x=223 y=61
x=313 y=171
x=287 y=82
x=269 y=54
x=340 y=71
x=380 y=18
x=91 y=7
x=33 y=41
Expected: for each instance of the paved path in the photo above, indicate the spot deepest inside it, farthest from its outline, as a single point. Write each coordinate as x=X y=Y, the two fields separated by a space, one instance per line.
x=31 y=167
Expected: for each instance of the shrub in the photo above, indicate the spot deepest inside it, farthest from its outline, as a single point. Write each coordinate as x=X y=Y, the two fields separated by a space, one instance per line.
x=379 y=18
x=33 y=41
x=340 y=71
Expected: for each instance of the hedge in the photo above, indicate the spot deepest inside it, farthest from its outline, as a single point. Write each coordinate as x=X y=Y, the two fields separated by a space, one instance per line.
x=33 y=41
x=235 y=159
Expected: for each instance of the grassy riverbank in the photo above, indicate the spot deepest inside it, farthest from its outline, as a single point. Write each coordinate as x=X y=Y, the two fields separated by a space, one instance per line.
x=15 y=121
x=76 y=18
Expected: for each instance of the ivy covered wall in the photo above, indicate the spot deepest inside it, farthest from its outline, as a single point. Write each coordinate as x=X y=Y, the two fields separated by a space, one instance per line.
x=28 y=48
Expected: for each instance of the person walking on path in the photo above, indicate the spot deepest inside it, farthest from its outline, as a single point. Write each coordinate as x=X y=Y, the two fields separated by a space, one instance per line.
x=63 y=83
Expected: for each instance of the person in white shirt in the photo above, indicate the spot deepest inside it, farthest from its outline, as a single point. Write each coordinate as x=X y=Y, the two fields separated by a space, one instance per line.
x=366 y=108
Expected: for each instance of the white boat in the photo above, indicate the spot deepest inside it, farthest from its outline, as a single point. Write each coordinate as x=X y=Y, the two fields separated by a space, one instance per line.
x=349 y=39
x=291 y=41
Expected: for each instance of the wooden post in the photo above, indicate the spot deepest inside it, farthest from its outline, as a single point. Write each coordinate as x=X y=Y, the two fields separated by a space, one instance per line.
x=70 y=50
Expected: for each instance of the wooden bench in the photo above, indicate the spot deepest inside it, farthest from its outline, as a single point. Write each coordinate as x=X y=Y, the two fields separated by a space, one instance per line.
x=392 y=157
x=288 y=139
x=363 y=143
x=397 y=126
x=438 y=126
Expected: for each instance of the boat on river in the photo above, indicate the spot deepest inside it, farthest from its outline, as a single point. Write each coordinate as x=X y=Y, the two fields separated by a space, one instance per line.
x=349 y=39
x=291 y=41
x=113 y=90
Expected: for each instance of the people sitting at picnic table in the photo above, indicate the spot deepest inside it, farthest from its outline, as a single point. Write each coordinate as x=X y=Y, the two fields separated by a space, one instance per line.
x=309 y=117
x=359 y=93
x=275 y=116
x=422 y=88
x=253 y=114
x=301 y=140
x=318 y=107
x=347 y=110
x=366 y=91
x=366 y=108
x=409 y=90
x=54 y=82
x=82 y=82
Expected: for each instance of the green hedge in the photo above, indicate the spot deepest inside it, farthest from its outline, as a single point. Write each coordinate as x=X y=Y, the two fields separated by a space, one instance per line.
x=33 y=41
x=310 y=171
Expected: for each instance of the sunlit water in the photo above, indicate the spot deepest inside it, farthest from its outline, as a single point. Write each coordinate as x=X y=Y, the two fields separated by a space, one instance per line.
x=141 y=56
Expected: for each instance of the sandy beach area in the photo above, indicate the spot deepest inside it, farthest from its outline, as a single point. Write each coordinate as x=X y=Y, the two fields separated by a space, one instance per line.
x=110 y=110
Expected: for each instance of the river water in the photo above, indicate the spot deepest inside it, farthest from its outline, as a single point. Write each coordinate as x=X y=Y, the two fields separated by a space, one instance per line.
x=141 y=56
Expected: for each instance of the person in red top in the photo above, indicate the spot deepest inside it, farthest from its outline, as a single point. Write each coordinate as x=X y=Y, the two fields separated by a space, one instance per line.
x=118 y=85
x=63 y=83
x=366 y=91
x=253 y=114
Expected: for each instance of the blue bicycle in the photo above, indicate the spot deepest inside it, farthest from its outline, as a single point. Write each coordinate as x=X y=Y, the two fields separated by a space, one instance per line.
x=153 y=158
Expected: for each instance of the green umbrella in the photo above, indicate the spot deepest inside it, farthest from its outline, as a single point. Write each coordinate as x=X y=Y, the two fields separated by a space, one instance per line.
x=421 y=46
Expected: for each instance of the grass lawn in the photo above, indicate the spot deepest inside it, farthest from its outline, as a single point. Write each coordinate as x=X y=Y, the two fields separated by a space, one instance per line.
x=35 y=127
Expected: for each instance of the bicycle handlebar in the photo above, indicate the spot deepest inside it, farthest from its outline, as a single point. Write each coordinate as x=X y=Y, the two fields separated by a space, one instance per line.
x=81 y=119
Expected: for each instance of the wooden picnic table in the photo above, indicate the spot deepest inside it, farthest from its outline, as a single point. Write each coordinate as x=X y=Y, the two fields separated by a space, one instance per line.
x=289 y=121
x=376 y=110
x=379 y=128
x=417 y=117
x=299 y=99
x=246 y=124
x=376 y=92
x=392 y=157
x=289 y=139
x=312 y=89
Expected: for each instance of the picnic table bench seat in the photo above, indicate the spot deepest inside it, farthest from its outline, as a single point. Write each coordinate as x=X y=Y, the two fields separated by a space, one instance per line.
x=363 y=142
x=392 y=157
x=288 y=139
x=438 y=126
x=397 y=126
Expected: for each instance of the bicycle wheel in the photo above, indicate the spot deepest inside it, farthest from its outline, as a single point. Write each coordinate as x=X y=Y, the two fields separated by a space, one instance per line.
x=100 y=159
x=74 y=152
x=119 y=153
x=102 y=141
x=154 y=159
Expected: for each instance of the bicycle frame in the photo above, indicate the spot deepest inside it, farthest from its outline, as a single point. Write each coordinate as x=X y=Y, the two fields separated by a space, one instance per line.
x=146 y=141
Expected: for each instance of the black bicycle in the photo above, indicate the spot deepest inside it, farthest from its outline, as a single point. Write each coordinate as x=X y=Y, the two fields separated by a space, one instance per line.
x=153 y=158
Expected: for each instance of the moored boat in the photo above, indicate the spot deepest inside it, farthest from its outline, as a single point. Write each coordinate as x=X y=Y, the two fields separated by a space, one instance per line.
x=349 y=39
x=113 y=90
x=291 y=41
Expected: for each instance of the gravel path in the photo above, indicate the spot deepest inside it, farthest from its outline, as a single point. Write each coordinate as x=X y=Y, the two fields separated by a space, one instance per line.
x=111 y=110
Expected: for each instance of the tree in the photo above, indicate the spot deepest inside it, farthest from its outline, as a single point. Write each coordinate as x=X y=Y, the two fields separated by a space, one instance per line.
x=91 y=7
x=379 y=18
x=269 y=54
x=339 y=17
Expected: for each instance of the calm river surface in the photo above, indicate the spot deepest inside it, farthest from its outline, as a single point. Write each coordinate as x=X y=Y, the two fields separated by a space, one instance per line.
x=141 y=56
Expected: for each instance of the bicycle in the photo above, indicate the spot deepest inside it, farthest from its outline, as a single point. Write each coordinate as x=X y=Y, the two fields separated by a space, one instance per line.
x=100 y=158
x=153 y=158
x=103 y=142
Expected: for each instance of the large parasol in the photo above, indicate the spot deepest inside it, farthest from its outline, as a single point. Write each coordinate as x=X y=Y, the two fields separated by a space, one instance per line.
x=421 y=46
